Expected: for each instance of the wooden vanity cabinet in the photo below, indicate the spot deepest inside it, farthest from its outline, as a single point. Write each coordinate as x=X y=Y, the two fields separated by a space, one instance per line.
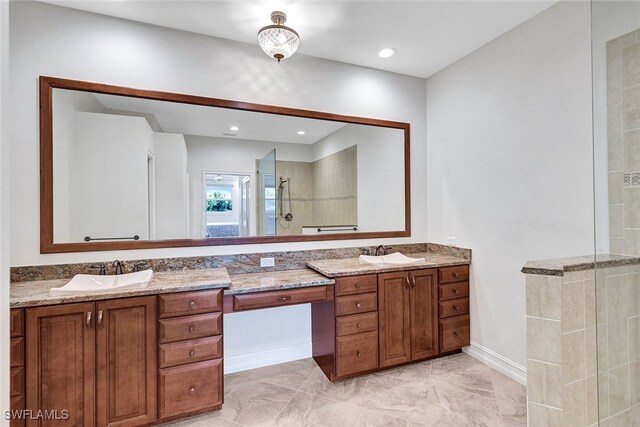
x=454 y=308
x=408 y=304
x=95 y=360
x=17 y=360
x=190 y=371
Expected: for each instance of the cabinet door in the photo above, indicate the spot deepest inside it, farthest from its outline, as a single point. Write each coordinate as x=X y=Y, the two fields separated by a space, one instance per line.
x=395 y=323
x=126 y=361
x=424 y=314
x=60 y=363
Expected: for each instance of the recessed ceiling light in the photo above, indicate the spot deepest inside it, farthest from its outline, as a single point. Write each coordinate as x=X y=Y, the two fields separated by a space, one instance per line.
x=386 y=52
x=234 y=128
x=301 y=132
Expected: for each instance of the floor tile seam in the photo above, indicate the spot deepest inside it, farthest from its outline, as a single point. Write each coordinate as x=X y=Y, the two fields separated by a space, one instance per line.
x=284 y=407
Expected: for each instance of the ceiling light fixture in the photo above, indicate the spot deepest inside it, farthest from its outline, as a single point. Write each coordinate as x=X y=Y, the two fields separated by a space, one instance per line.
x=277 y=40
x=234 y=128
x=386 y=52
x=301 y=132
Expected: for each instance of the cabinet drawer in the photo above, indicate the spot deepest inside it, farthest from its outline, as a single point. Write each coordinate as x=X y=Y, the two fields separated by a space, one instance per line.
x=454 y=290
x=454 y=307
x=356 y=285
x=16 y=323
x=180 y=353
x=279 y=298
x=17 y=382
x=459 y=273
x=356 y=323
x=190 y=327
x=454 y=333
x=17 y=352
x=186 y=303
x=17 y=402
x=357 y=353
x=354 y=304
x=190 y=388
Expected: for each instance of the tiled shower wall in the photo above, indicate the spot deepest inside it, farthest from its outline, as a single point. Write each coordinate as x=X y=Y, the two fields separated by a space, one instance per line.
x=575 y=376
x=324 y=192
x=623 y=134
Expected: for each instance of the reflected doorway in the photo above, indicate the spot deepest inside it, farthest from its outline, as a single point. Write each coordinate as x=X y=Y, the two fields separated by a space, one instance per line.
x=227 y=204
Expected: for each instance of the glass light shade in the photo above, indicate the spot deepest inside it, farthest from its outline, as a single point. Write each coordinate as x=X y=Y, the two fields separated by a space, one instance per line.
x=278 y=41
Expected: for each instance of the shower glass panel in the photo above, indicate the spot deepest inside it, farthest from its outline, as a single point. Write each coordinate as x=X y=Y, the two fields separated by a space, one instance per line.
x=266 y=198
x=614 y=287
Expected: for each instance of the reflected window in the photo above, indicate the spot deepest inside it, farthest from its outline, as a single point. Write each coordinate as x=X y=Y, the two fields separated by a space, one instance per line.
x=220 y=198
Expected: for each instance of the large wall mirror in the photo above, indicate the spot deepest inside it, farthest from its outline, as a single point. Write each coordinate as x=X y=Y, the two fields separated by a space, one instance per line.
x=125 y=168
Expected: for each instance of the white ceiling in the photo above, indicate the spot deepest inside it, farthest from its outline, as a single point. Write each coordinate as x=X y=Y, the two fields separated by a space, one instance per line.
x=428 y=35
x=187 y=119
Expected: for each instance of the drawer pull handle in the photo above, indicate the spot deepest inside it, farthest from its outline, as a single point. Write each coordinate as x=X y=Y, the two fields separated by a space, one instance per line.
x=192 y=353
x=358 y=305
x=192 y=390
x=358 y=285
x=359 y=354
x=100 y=318
x=413 y=282
x=358 y=325
x=88 y=321
x=287 y=298
x=192 y=328
x=192 y=303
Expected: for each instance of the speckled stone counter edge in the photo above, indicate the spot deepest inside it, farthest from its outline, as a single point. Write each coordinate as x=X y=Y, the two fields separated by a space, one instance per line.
x=235 y=263
x=558 y=266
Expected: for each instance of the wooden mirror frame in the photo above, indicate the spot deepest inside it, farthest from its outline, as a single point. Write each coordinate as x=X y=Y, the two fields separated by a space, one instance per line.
x=47 y=245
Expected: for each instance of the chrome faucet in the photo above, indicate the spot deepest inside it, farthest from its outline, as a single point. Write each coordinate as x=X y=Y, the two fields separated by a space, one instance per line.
x=382 y=250
x=103 y=270
x=118 y=266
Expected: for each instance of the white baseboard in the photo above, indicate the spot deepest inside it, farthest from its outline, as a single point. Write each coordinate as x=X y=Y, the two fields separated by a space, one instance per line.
x=499 y=363
x=269 y=357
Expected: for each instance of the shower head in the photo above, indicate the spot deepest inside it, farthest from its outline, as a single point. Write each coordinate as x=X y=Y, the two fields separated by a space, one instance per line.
x=282 y=182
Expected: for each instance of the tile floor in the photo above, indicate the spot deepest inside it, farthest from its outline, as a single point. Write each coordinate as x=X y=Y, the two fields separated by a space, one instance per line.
x=452 y=391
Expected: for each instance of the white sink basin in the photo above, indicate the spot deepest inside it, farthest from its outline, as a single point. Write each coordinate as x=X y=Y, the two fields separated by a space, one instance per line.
x=96 y=284
x=394 y=258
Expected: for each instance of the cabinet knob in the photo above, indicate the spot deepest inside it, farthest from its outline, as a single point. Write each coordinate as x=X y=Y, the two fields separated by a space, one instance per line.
x=358 y=305
x=192 y=328
x=358 y=325
x=455 y=333
x=456 y=308
x=192 y=303
x=455 y=291
x=192 y=390
x=358 y=285
x=455 y=274
x=359 y=354
x=192 y=353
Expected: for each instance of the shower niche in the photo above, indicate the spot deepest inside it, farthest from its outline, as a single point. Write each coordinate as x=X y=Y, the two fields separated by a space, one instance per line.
x=126 y=168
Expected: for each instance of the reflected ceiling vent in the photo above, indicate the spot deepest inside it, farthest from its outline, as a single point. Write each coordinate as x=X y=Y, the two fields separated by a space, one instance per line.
x=277 y=40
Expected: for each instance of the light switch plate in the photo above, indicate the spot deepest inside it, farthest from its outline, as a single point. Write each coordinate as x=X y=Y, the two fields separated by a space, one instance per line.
x=267 y=262
x=450 y=240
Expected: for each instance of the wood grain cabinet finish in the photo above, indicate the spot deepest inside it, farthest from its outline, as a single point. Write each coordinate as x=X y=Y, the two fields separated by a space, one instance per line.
x=186 y=303
x=17 y=362
x=454 y=328
x=190 y=357
x=126 y=361
x=408 y=313
x=356 y=284
x=258 y=300
x=356 y=304
x=60 y=364
x=357 y=353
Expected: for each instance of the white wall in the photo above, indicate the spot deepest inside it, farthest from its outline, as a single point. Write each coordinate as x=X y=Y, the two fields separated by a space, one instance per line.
x=50 y=40
x=611 y=19
x=4 y=206
x=107 y=168
x=379 y=149
x=170 y=156
x=509 y=165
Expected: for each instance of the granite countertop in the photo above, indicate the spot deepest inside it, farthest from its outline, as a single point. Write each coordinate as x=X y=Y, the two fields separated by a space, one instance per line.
x=558 y=266
x=353 y=266
x=31 y=294
x=275 y=280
